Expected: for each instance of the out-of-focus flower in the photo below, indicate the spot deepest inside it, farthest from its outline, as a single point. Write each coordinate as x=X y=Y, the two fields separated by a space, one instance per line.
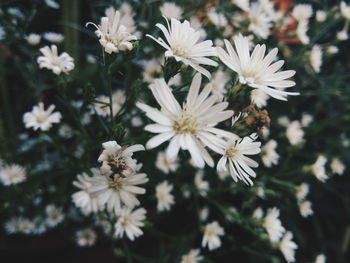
x=53 y=37
x=288 y=247
x=211 y=237
x=57 y=63
x=86 y=237
x=321 y=16
x=320 y=259
x=303 y=27
x=342 y=35
x=129 y=222
x=242 y=4
x=33 y=39
x=302 y=12
x=218 y=19
x=295 y=133
x=305 y=208
x=12 y=174
x=102 y=107
x=52 y=4
x=42 y=119
x=202 y=185
x=270 y=156
x=166 y=165
x=337 y=166
x=316 y=58
x=302 y=191
x=345 y=10
x=54 y=215
x=171 y=10
x=318 y=168
x=164 y=197
x=192 y=257
x=260 y=22
x=273 y=224
x=126 y=16
x=218 y=82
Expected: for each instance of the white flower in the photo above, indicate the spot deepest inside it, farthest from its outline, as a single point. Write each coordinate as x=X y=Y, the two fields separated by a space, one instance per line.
x=321 y=16
x=273 y=224
x=118 y=159
x=260 y=22
x=303 y=27
x=166 y=165
x=332 y=49
x=283 y=121
x=52 y=4
x=236 y=162
x=42 y=119
x=302 y=191
x=33 y=39
x=129 y=222
x=345 y=10
x=204 y=213
x=83 y=199
x=86 y=237
x=57 y=63
x=198 y=26
x=305 y=208
x=183 y=44
x=270 y=156
x=306 y=119
x=320 y=259
x=152 y=67
x=211 y=237
x=318 y=168
x=164 y=197
x=126 y=16
x=218 y=19
x=65 y=131
x=102 y=109
x=288 y=247
x=190 y=127
x=54 y=215
x=342 y=35
x=53 y=37
x=316 y=58
x=337 y=166
x=218 y=82
x=12 y=174
x=116 y=190
x=171 y=10
x=258 y=213
x=295 y=133
x=259 y=97
x=242 y=4
x=202 y=186
x=302 y=12
x=255 y=69
x=113 y=35
x=192 y=257
x=19 y=225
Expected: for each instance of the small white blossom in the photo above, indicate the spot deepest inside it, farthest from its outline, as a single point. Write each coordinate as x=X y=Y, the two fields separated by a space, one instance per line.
x=288 y=247
x=316 y=58
x=204 y=213
x=54 y=215
x=201 y=185
x=342 y=35
x=192 y=257
x=306 y=119
x=86 y=237
x=53 y=37
x=171 y=10
x=33 y=39
x=260 y=22
x=52 y=4
x=211 y=237
x=126 y=16
x=258 y=213
x=129 y=222
x=337 y=166
x=52 y=61
x=332 y=50
x=164 y=197
x=302 y=191
x=295 y=133
x=302 y=12
x=302 y=28
x=218 y=19
x=218 y=82
x=305 y=208
x=270 y=156
x=259 y=97
x=318 y=168
x=320 y=259
x=345 y=10
x=321 y=16
x=273 y=224
x=166 y=165
x=102 y=109
x=12 y=174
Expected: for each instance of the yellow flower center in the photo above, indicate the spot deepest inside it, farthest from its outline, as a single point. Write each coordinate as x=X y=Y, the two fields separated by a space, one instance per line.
x=185 y=124
x=116 y=183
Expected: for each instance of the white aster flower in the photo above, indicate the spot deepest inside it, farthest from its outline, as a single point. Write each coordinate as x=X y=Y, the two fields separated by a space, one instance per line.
x=288 y=247
x=236 y=162
x=171 y=10
x=118 y=159
x=258 y=213
x=242 y=4
x=260 y=22
x=218 y=82
x=318 y=168
x=201 y=185
x=337 y=166
x=113 y=35
x=183 y=44
x=255 y=69
x=302 y=12
x=295 y=133
x=302 y=191
x=53 y=37
x=211 y=237
x=54 y=215
x=305 y=208
x=302 y=28
x=342 y=35
x=190 y=127
x=321 y=16
x=126 y=16
x=306 y=119
x=86 y=237
x=273 y=224
x=52 y=4
x=83 y=199
x=204 y=213
x=320 y=258
x=33 y=39
x=316 y=58
x=57 y=63
x=270 y=156
x=218 y=19
x=166 y=165
x=192 y=257
x=332 y=49
x=129 y=222
x=42 y=119
x=259 y=97
x=345 y=10
x=19 y=225
x=65 y=131
x=116 y=190
x=12 y=174
x=164 y=197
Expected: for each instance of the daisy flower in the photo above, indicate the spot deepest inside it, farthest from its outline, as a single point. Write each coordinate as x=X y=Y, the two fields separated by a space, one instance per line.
x=337 y=166
x=260 y=22
x=320 y=258
x=295 y=133
x=236 y=162
x=113 y=35
x=54 y=215
x=12 y=174
x=191 y=127
x=129 y=222
x=171 y=10
x=305 y=208
x=192 y=257
x=288 y=247
x=86 y=237
x=273 y=224
x=166 y=165
x=318 y=168
x=33 y=39
x=255 y=70
x=211 y=237
x=53 y=37
x=42 y=119
x=164 y=197
x=270 y=156
x=302 y=191
x=316 y=58
x=57 y=63
x=184 y=45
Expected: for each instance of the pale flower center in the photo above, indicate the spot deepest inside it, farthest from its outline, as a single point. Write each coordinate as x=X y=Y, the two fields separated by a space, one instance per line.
x=41 y=118
x=231 y=151
x=185 y=124
x=124 y=222
x=179 y=51
x=209 y=232
x=116 y=183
